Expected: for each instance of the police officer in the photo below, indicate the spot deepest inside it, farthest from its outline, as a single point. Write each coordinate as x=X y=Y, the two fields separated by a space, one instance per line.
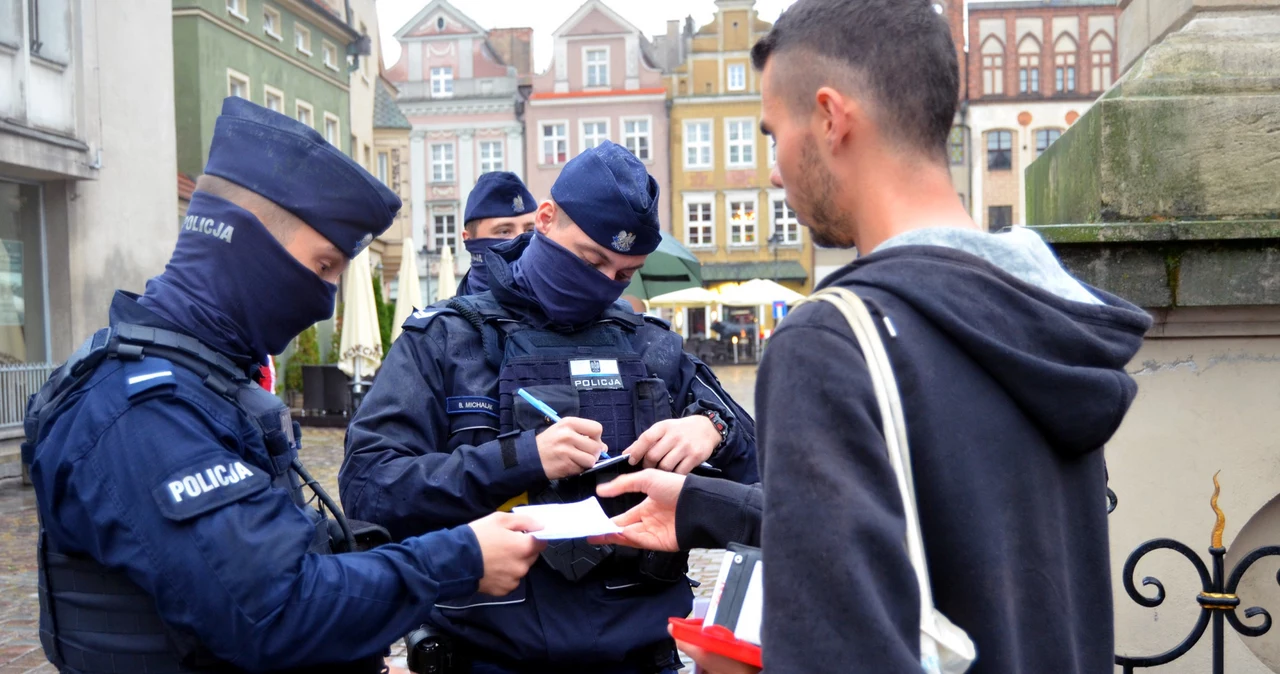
x=499 y=208
x=174 y=534
x=443 y=438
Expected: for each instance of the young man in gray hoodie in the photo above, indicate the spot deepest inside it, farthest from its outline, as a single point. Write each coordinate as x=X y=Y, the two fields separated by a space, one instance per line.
x=1011 y=374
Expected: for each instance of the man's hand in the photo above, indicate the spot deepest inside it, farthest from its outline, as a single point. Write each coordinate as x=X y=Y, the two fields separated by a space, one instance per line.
x=675 y=445
x=507 y=551
x=652 y=524
x=710 y=663
x=569 y=447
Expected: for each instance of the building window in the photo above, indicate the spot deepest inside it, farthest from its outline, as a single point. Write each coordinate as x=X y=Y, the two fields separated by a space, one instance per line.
x=1029 y=66
x=384 y=168
x=302 y=39
x=442 y=82
x=1045 y=138
x=442 y=162
x=999 y=150
x=304 y=113
x=446 y=231
x=955 y=146
x=742 y=221
x=491 y=156
x=555 y=143
x=785 y=225
x=999 y=217
x=1101 y=47
x=236 y=8
x=594 y=133
x=332 y=129
x=274 y=99
x=25 y=336
x=697 y=145
x=237 y=84
x=699 y=224
x=635 y=136
x=440 y=23
x=271 y=22
x=597 y=64
x=1064 y=65
x=992 y=67
x=737 y=77
x=330 y=53
x=741 y=144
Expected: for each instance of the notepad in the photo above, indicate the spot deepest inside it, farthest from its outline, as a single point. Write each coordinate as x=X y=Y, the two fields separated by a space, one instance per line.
x=569 y=520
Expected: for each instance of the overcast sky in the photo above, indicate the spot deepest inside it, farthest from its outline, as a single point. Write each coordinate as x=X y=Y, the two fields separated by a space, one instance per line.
x=544 y=16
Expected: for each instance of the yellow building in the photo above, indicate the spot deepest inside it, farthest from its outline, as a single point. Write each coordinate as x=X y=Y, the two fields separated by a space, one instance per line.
x=724 y=208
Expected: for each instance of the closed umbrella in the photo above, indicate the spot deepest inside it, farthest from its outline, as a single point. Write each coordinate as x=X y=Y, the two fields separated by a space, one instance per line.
x=410 y=290
x=361 y=341
x=669 y=268
x=446 y=285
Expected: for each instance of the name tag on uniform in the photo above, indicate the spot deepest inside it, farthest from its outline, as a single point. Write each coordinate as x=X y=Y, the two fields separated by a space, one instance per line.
x=595 y=374
x=472 y=405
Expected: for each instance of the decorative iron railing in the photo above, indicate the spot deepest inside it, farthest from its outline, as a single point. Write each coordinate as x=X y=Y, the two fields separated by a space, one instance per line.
x=17 y=383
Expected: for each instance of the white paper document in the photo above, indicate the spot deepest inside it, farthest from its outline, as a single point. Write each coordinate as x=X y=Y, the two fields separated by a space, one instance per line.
x=569 y=520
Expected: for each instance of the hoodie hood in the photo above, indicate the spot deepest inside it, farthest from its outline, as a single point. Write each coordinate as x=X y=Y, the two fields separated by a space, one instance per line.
x=1057 y=346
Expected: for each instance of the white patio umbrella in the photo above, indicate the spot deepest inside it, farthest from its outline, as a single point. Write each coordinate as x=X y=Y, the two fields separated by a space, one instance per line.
x=686 y=297
x=758 y=292
x=447 y=285
x=360 y=347
x=410 y=289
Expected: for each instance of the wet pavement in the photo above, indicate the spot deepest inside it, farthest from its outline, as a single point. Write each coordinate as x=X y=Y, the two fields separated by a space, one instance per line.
x=20 y=651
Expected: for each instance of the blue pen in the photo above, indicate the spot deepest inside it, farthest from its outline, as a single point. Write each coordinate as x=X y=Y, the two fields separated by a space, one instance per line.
x=546 y=409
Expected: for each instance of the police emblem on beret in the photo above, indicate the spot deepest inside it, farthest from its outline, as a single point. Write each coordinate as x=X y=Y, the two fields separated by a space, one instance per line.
x=517 y=204
x=362 y=244
x=623 y=241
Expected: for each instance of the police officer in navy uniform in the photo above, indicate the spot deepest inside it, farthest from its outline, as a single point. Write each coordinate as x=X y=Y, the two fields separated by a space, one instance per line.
x=499 y=209
x=175 y=536
x=442 y=436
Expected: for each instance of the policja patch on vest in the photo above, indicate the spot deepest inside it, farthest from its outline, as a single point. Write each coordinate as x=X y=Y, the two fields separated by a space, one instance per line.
x=595 y=374
x=208 y=485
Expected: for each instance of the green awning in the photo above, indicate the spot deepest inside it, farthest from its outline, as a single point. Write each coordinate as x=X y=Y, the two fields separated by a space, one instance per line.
x=783 y=270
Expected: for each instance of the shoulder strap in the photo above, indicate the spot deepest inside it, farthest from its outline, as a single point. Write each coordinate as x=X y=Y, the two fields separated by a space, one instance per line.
x=892 y=419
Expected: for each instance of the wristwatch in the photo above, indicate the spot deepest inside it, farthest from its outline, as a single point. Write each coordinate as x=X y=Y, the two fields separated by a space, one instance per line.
x=721 y=427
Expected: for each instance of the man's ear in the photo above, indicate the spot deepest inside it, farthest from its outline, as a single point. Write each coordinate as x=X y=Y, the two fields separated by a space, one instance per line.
x=836 y=116
x=546 y=217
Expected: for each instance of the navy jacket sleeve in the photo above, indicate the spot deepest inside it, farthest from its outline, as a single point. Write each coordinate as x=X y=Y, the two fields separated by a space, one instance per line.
x=399 y=470
x=840 y=585
x=712 y=513
x=229 y=562
x=698 y=390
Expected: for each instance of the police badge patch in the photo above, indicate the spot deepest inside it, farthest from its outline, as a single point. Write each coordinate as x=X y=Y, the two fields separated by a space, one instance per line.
x=624 y=241
x=517 y=204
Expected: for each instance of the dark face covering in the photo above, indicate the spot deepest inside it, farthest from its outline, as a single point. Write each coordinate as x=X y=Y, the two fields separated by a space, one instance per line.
x=233 y=286
x=569 y=290
x=478 y=279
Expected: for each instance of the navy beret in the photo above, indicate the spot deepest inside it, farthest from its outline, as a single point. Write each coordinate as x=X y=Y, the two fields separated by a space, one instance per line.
x=608 y=193
x=292 y=165
x=499 y=194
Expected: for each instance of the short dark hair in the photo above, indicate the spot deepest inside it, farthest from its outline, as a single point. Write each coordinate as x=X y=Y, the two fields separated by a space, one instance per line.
x=471 y=227
x=899 y=52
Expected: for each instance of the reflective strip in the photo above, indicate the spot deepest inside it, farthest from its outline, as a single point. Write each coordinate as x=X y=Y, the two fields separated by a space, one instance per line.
x=621 y=587
x=698 y=378
x=148 y=377
x=485 y=603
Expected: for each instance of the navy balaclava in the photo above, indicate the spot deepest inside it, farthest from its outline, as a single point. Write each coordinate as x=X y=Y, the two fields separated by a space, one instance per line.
x=498 y=194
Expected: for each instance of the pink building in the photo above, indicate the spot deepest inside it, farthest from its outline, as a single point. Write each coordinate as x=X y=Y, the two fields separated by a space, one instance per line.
x=462 y=99
x=601 y=85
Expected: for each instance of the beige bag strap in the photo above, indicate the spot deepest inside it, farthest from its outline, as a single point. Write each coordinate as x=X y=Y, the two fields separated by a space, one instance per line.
x=894 y=423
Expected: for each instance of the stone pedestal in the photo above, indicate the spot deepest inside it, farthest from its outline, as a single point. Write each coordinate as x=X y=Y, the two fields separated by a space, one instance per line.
x=1167 y=193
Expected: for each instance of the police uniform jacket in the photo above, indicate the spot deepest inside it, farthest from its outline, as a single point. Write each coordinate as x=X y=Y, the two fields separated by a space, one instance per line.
x=149 y=472
x=424 y=452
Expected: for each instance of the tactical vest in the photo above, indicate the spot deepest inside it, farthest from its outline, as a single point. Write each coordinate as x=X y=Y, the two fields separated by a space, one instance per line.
x=96 y=620
x=594 y=373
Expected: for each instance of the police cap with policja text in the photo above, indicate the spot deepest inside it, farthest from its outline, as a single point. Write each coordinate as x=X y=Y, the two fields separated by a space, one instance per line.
x=292 y=165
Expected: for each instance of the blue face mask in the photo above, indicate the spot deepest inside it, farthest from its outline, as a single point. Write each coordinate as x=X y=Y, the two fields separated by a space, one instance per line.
x=569 y=290
x=232 y=285
x=479 y=276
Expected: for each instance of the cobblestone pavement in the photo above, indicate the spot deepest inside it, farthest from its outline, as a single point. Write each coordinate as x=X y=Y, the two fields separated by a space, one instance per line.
x=322 y=453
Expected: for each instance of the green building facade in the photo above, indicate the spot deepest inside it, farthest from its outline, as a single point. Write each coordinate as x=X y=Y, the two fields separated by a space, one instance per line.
x=288 y=55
